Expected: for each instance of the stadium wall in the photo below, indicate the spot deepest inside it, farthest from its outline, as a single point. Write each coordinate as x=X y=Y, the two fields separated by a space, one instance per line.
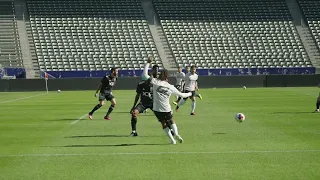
x=128 y=83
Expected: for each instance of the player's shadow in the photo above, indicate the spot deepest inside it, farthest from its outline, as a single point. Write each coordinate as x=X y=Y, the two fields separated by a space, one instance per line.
x=108 y=145
x=219 y=133
x=292 y=112
x=105 y=135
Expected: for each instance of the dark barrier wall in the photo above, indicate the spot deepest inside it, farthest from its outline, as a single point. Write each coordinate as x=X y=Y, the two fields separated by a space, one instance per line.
x=12 y=85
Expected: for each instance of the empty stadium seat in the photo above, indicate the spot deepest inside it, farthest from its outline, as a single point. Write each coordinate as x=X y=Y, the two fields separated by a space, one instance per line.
x=10 y=51
x=90 y=34
x=231 y=33
x=311 y=11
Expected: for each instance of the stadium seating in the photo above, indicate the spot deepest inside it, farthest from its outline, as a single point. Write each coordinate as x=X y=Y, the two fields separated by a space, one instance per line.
x=74 y=35
x=231 y=33
x=311 y=10
x=10 y=51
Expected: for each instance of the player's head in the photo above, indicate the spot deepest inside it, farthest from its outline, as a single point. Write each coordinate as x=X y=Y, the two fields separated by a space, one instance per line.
x=114 y=71
x=187 y=69
x=179 y=69
x=163 y=76
x=155 y=70
x=193 y=69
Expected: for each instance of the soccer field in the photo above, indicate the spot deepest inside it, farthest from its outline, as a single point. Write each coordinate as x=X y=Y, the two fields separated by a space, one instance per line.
x=49 y=136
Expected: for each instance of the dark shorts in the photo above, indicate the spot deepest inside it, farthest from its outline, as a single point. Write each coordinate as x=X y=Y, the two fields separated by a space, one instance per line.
x=193 y=93
x=142 y=107
x=163 y=116
x=105 y=96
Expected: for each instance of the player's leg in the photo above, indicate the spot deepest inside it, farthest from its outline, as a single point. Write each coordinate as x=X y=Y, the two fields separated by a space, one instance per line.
x=137 y=110
x=98 y=106
x=174 y=128
x=113 y=104
x=162 y=119
x=181 y=102
x=199 y=96
x=317 y=105
x=178 y=98
x=193 y=105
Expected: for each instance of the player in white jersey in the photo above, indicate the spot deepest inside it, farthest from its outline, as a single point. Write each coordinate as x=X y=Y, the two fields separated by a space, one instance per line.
x=183 y=88
x=191 y=85
x=162 y=91
x=179 y=80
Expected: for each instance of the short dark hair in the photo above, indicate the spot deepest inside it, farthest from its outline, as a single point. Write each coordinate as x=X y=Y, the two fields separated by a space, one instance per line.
x=193 y=66
x=155 y=66
x=113 y=69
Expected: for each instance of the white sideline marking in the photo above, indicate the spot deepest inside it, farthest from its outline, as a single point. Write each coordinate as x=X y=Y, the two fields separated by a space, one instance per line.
x=79 y=119
x=160 y=153
x=3 y=102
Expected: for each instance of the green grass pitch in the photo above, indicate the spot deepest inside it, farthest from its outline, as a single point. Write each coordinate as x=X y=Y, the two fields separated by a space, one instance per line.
x=40 y=137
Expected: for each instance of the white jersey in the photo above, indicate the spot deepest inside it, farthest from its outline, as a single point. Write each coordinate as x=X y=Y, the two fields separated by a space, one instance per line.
x=190 y=81
x=179 y=77
x=162 y=91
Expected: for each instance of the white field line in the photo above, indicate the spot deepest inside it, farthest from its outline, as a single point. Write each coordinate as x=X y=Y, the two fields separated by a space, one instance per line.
x=3 y=102
x=79 y=119
x=162 y=153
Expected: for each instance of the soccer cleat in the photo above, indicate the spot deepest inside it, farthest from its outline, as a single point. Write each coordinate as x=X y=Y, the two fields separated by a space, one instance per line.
x=107 y=118
x=199 y=95
x=192 y=114
x=90 y=116
x=175 y=103
x=179 y=138
x=134 y=134
x=173 y=142
x=317 y=110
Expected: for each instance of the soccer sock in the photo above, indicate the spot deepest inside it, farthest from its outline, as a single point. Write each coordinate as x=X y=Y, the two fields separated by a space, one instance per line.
x=95 y=108
x=175 y=129
x=133 y=122
x=179 y=98
x=110 y=109
x=168 y=133
x=193 y=106
x=318 y=104
x=180 y=103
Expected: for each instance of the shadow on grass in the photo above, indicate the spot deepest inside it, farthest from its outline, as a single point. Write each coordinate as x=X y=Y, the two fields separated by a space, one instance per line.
x=218 y=133
x=105 y=135
x=292 y=112
x=107 y=145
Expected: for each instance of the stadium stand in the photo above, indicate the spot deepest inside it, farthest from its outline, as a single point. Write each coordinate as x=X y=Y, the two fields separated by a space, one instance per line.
x=73 y=35
x=311 y=11
x=231 y=33
x=10 y=51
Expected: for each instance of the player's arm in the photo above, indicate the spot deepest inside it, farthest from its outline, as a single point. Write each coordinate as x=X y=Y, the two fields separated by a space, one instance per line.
x=175 y=91
x=98 y=89
x=196 y=86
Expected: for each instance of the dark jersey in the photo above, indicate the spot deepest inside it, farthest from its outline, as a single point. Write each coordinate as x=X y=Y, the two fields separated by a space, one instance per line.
x=107 y=84
x=145 y=91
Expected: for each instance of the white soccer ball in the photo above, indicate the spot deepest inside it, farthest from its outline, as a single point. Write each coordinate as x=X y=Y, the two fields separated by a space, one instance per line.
x=240 y=117
x=244 y=87
x=58 y=91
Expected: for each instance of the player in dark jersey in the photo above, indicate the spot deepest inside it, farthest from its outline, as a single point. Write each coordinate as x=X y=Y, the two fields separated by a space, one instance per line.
x=144 y=92
x=105 y=93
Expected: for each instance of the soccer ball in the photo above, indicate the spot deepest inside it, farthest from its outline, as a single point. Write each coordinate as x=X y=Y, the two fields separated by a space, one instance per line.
x=58 y=91
x=240 y=117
